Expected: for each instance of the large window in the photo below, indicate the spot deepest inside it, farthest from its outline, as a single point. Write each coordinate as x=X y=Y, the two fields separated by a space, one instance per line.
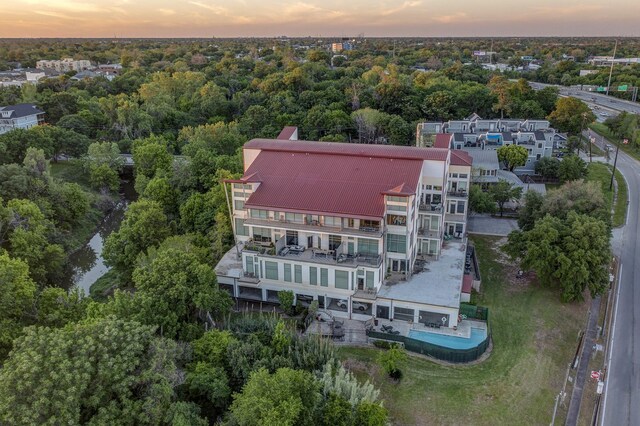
x=396 y=243
x=287 y=272
x=292 y=238
x=313 y=275
x=342 y=280
x=396 y=208
x=367 y=247
x=397 y=199
x=249 y=265
x=271 y=270
x=298 y=273
x=434 y=223
x=262 y=234
x=294 y=217
x=241 y=229
x=238 y=205
x=460 y=209
x=403 y=314
x=259 y=214
x=369 y=281
x=332 y=221
x=397 y=220
x=242 y=186
x=334 y=242
x=324 y=277
x=369 y=225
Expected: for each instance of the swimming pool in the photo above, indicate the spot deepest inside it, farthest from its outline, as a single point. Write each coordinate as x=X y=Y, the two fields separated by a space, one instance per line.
x=453 y=342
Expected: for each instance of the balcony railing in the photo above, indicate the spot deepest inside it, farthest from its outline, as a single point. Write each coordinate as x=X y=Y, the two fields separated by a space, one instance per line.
x=460 y=193
x=428 y=233
x=430 y=207
x=315 y=255
x=314 y=226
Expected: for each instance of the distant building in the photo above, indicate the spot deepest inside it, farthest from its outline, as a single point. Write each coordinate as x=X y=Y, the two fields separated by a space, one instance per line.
x=606 y=61
x=475 y=133
x=21 y=116
x=588 y=72
x=339 y=47
x=65 y=65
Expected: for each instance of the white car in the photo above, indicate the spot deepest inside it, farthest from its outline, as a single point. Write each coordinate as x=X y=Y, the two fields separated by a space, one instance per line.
x=342 y=303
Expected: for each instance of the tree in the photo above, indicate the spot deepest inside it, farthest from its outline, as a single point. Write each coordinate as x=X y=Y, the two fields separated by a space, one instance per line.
x=439 y=106
x=28 y=230
x=504 y=192
x=391 y=361
x=57 y=307
x=104 y=163
x=513 y=155
x=98 y=372
x=287 y=397
x=571 y=115
x=17 y=294
x=209 y=383
x=499 y=86
x=336 y=380
x=178 y=289
x=572 y=167
x=286 y=297
x=481 y=201
x=72 y=202
x=571 y=254
x=580 y=196
x=548 y=167
x=145 y=225
x=531 y=210
x=104 y=178
x=151 y=155
x=213 y=347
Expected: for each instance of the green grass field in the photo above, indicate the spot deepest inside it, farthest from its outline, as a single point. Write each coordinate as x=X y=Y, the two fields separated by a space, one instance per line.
x=602 y=173
x=534 y=337
x=603 y=130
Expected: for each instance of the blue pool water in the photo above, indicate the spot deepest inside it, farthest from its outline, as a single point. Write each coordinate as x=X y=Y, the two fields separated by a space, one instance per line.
x=477 y=336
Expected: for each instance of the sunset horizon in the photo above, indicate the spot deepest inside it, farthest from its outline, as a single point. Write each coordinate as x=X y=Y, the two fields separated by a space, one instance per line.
x=251 y=18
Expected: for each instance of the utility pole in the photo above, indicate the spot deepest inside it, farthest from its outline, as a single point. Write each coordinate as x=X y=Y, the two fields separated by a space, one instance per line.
x=611 y=69
x=584 y=119
x=615 y=161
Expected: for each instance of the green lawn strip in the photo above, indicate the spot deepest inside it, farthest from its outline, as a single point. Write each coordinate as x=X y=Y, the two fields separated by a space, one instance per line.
x=534 y=338
x=620 y=209
x=600 y=172
x=104 y=286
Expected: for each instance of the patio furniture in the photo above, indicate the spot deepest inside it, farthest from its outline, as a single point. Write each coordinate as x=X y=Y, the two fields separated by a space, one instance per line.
x=296 y=248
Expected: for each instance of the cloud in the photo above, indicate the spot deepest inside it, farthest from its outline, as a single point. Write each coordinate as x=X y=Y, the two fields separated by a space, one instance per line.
x=218 y=10
x=451 y=19
x=403 y=6
x=167 y=12
x=54 y=14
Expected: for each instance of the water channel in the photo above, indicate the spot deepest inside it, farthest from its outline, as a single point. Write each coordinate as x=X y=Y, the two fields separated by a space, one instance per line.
x=86 y=265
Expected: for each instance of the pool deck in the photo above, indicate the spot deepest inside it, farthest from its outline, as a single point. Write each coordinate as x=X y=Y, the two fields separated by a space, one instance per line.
x=463 y=330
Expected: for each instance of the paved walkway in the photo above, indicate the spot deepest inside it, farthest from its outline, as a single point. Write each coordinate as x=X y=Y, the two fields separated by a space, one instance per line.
x=486 y=225
x=583 y=364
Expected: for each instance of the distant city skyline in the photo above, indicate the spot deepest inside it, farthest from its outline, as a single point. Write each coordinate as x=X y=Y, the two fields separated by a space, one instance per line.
x=263 y=18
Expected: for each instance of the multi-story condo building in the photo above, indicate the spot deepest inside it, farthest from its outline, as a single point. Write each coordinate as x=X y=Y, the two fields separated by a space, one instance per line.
x=475 y=133
x=64 y=65
x=367 y=230
x=21 y=116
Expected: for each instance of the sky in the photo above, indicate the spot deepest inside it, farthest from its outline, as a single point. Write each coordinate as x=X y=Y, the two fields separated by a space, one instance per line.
x=268 y=18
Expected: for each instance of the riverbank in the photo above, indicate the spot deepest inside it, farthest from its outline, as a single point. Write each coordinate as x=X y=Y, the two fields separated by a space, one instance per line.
x=83 y=244
x=100 y=205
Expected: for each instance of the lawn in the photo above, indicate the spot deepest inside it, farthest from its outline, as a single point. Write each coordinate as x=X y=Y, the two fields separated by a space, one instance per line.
x=602 y=173
x=534 y=337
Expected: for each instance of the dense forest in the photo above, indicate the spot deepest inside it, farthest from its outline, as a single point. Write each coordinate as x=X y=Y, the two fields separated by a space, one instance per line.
x=144 y=355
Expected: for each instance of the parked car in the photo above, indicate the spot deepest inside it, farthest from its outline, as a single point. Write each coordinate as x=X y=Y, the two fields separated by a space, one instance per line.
x=342 y=303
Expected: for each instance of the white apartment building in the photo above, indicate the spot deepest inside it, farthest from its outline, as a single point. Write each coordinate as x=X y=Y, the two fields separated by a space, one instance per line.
x=64 y=65
x=21 y=116
x=476 y=133
x=367 y=230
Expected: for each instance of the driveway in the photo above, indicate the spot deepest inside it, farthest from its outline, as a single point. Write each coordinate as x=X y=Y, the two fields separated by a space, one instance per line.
x=486 y=225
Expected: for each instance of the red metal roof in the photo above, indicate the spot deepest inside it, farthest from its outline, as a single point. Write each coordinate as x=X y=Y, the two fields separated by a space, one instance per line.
x=340 y=179
x=287 y=132
x=461 y=158
x=443 y=140
x=351 y=149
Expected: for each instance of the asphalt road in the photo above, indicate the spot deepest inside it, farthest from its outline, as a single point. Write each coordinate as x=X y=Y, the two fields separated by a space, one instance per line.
x=593 y=98
x=622 y=387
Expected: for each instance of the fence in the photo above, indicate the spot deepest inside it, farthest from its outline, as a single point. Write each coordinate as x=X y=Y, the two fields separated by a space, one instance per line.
x=440 y=352
x=474 y=312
